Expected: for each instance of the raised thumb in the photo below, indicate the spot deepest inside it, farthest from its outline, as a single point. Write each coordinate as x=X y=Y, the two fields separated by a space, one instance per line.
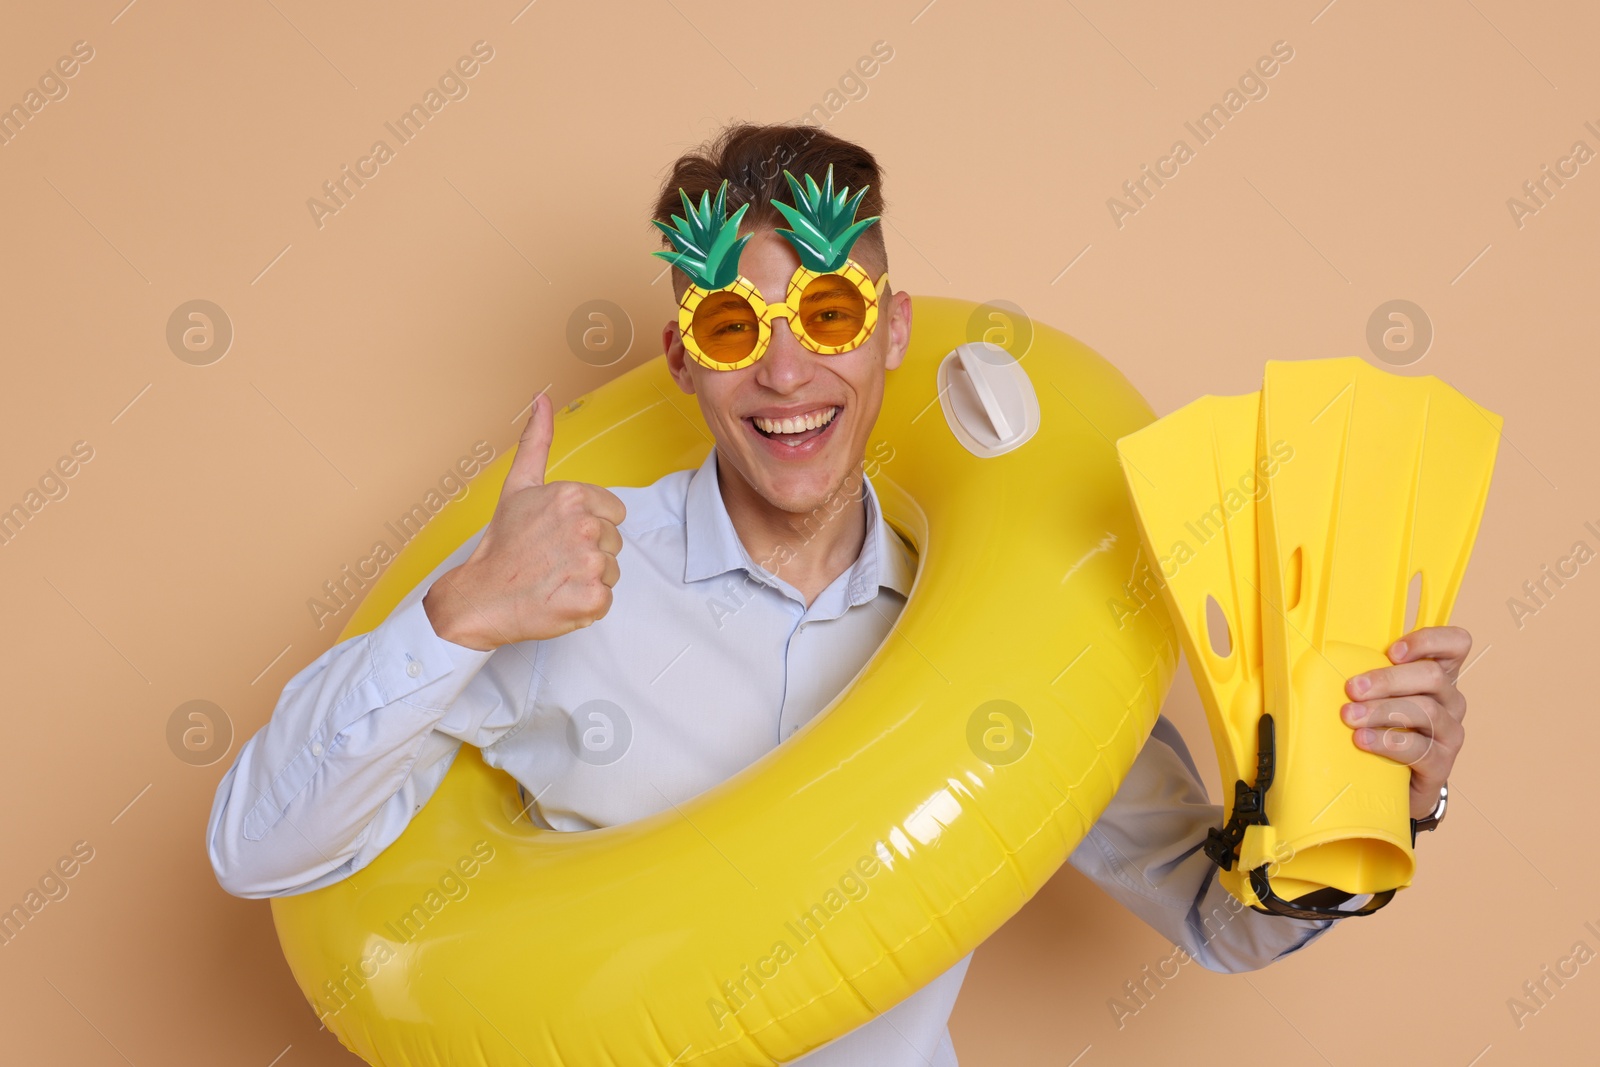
x=533 y=449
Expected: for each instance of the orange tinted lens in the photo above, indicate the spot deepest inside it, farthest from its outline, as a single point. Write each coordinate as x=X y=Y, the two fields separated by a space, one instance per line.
x=725 y=327
x=833 y=311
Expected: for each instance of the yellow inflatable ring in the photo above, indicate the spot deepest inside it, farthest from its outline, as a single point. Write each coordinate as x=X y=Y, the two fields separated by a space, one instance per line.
x=893 y=834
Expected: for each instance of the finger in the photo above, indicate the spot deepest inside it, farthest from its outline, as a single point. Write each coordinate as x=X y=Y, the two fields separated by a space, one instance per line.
x=612 y=572
x=573 y=602
x=610 y=540
x=1402 y=746
x=1423 y=677
x=1447 y=644
x=1422 y=714
x=605 y=504
x=533 y=449
x=1415 y=732
x=1428 y=678
x=592 y=603
x=1429 y=760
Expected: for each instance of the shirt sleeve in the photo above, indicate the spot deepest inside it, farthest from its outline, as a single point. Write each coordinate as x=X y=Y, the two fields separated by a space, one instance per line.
x=358 y=742
x=1145 y=851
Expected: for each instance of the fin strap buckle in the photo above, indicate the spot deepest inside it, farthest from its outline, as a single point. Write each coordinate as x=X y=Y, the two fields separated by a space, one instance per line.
x=1250 y=809
x=1249 y=803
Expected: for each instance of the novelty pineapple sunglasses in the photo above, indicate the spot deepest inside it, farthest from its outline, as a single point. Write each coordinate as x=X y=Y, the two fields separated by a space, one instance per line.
x=831 y=303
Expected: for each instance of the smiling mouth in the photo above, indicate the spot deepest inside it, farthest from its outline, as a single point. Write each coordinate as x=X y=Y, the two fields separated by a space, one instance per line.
x=796 y=431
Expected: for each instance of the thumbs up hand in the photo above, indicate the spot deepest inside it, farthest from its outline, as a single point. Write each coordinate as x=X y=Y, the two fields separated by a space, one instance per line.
x=547 y=562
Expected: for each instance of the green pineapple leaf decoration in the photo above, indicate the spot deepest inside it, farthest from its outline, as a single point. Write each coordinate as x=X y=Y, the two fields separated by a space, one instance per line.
x=823 y=222
x=707 y=241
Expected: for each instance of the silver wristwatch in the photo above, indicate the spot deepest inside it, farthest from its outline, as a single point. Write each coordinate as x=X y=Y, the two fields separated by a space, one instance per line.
x=1434 y=817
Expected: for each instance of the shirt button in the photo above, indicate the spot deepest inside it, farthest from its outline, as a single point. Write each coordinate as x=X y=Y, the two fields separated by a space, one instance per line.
x=316 y=749
x=413 y=668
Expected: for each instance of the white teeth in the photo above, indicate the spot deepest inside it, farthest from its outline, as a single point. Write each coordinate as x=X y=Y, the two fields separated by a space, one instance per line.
x=809 y=421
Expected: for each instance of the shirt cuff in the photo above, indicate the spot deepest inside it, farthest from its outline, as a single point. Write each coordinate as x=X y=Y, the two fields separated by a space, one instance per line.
x=411 y=662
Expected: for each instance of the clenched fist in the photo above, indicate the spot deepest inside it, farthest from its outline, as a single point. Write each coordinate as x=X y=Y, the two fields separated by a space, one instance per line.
x=547 y=562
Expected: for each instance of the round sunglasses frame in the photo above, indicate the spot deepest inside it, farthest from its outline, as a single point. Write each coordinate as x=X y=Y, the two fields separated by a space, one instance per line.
x=767 y=314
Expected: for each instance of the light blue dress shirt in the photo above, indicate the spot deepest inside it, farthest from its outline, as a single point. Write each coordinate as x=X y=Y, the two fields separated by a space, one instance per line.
x=705 y=662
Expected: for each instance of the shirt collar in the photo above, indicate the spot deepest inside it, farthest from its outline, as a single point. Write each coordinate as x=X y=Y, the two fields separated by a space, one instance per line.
x=714 y=547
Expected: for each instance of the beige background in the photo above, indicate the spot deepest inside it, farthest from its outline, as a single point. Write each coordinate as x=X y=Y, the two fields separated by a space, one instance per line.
x=373 y=351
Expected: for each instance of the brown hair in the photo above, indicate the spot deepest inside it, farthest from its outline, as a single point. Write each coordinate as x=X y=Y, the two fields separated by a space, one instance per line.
x=753 y=158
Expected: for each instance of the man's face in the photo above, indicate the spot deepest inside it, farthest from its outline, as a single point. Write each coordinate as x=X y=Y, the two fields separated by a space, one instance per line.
x=790 y=382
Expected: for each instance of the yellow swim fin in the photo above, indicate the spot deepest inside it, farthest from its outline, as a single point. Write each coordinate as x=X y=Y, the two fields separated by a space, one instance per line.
x=1389 y=481
x=1195 y=479
x=1304 y=511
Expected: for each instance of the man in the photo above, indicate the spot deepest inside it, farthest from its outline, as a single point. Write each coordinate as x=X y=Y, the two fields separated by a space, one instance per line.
x=651 y=600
